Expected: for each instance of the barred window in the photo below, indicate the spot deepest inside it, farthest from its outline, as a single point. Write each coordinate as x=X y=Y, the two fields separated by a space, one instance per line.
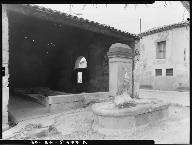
x=169 y=72
x=158 y=72
x=161 y=49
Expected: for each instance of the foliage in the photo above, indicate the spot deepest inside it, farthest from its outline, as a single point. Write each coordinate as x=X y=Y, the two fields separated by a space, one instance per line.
x=136 y=54
x=186 y=5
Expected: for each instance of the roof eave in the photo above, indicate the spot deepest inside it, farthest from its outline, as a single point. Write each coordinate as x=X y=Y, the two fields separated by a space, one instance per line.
x=56 y=16
x=161 y=29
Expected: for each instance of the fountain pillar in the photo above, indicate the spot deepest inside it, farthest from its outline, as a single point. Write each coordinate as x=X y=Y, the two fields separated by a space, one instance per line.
x=122 y=116
x=120 y=64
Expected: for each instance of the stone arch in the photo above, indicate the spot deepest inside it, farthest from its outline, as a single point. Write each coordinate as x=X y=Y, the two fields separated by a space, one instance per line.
x=78 y=62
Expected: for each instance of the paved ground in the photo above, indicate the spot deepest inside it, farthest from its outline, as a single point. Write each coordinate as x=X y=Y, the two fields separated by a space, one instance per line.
x=77 y=124
x=23 y=109
x=181 y=98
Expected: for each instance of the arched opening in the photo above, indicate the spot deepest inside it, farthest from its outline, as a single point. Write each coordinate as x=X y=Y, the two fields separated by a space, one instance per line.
x=81 y=62
x=81 y=74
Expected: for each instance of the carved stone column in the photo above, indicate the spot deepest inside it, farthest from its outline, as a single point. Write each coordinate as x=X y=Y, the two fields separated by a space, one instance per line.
x=5 y=88
x=120 y=63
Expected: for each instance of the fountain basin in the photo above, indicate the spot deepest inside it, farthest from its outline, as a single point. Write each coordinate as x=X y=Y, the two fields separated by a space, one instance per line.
x=109 y=117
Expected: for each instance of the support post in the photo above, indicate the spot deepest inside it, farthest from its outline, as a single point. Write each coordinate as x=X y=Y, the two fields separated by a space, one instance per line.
x=5 y=88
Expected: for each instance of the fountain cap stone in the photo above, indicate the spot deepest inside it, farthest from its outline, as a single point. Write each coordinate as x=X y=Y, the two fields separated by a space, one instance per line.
x=120 y=50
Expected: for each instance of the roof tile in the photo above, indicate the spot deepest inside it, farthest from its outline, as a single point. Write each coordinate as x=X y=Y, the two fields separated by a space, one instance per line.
x=78 y=20
x=164 y=28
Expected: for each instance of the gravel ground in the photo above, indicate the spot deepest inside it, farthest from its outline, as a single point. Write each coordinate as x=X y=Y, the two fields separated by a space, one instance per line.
x=77 y=125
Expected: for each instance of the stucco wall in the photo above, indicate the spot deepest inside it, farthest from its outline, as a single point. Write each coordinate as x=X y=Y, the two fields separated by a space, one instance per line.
x=176 y=40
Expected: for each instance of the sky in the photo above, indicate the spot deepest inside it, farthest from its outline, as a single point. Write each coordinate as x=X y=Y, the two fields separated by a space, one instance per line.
x=128 y=19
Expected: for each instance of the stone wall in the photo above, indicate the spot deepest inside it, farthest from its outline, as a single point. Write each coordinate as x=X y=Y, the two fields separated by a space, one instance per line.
x=5 y=97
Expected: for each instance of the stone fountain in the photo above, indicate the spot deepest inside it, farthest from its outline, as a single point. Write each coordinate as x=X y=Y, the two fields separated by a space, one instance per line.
x=125 y=112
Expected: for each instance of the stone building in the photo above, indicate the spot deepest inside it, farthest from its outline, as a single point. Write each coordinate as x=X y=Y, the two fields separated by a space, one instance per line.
x=164 y=57
x=43 y=48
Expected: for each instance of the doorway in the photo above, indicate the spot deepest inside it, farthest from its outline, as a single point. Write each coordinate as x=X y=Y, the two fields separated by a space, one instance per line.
x=81 y=74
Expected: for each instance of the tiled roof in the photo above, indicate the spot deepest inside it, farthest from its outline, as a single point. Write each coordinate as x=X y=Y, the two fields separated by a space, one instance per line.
x=76 y=20
x=164 y=28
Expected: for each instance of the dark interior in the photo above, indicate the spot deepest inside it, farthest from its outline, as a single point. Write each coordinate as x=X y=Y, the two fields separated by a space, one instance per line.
x=43 y=54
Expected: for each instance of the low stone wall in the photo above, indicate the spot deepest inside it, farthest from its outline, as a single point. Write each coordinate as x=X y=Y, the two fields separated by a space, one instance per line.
x=43 y=100
x=62 y=103
x=38 y=98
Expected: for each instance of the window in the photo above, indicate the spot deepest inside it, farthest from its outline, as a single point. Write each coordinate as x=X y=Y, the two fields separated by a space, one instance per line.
x=161 y=48
x=158 y=72
x=169 y=72
x=79 y=78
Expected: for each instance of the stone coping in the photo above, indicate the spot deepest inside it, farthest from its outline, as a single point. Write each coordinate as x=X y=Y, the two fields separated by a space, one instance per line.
x=108 y=109
x=74 y=97
x=80 y=94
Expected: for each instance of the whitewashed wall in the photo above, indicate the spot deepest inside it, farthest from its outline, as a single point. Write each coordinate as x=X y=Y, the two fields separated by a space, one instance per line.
x=176 y=40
